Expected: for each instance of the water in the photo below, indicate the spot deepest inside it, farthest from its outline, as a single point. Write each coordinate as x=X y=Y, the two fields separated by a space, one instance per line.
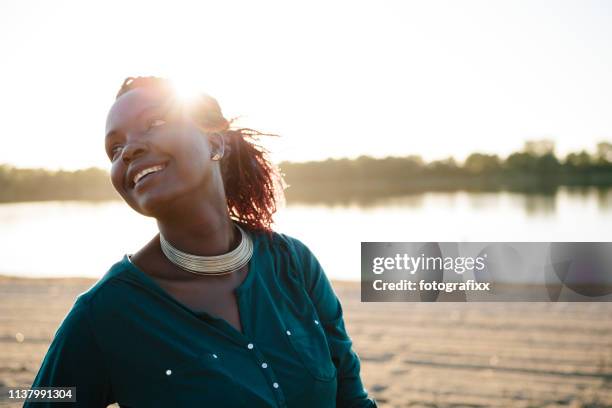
x=53 y=239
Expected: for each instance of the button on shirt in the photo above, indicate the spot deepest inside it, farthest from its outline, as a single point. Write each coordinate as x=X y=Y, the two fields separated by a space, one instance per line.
x=127 y=340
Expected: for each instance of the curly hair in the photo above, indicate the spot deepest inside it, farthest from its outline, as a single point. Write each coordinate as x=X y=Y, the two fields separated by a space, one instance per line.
x=253 y=185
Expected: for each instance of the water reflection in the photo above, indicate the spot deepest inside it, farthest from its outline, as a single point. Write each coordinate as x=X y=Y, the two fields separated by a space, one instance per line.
x=604 y=198
x=75 y=238
x=540 y=202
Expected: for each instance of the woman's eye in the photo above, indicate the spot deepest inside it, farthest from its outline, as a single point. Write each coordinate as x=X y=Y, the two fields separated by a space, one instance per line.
x=157 y=122
x=114 y=151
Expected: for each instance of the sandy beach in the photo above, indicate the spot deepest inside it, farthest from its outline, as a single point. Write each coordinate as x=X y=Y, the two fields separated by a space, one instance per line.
x=412 y=354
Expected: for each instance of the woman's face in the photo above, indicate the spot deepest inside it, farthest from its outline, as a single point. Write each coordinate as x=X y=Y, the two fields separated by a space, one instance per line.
x=146 y=130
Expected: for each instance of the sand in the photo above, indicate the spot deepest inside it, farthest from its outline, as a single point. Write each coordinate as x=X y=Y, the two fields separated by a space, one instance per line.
x=412 y=354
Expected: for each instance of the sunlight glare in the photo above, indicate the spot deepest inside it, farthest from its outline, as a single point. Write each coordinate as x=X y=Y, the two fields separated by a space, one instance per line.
x=186 y=89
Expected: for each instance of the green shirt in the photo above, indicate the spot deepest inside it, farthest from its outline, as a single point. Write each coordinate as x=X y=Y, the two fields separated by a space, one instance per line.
x=127 y=340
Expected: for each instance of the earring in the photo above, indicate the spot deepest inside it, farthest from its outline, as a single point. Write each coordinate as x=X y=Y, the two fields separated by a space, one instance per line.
x=218 y=156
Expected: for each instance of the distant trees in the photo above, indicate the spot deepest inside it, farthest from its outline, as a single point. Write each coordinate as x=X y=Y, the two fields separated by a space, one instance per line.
x=478 y=163
x=539 y=147
x=537 y=157
x=579 y=162
x=442 y=167
x=534 y=168
x=40 y=184
x=604 y=153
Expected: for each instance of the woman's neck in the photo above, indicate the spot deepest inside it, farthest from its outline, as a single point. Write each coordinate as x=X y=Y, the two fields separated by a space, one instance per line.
x=201 y=229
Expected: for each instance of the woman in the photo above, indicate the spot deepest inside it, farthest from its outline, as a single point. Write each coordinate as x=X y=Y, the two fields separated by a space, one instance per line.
x=217 y=309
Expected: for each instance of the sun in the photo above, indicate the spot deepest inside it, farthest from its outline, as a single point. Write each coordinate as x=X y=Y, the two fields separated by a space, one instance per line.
x=186 y=88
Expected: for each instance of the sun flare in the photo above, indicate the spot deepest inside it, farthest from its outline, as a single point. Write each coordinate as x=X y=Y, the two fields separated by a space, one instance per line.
x=186 y=89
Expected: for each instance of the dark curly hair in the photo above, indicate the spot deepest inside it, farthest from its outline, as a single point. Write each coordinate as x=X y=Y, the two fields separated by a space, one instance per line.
x=253 y=185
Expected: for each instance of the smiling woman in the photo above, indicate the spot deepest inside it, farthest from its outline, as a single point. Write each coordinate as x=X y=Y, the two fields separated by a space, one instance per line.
x=217 y=309
x=149 y=117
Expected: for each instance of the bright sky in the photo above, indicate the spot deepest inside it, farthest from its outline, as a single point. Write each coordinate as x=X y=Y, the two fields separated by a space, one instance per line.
x=335 y=78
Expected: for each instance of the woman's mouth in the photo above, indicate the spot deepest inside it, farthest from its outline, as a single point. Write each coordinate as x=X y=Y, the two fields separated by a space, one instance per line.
x=147 y=174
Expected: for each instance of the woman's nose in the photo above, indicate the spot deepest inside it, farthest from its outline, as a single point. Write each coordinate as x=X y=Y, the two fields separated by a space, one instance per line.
x=133 y=150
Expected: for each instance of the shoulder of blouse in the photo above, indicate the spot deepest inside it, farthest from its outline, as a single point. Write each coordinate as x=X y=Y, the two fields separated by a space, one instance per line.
x=103 y=284
x=303 y=264
x=286 y=242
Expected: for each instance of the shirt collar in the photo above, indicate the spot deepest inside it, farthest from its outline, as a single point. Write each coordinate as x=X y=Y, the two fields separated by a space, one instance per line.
x=126 y=270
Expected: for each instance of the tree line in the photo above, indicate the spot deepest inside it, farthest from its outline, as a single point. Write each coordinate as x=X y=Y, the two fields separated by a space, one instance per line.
x=535 y=168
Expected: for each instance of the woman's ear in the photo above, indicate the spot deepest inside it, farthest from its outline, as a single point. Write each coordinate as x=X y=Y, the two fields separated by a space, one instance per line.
x=217 y=146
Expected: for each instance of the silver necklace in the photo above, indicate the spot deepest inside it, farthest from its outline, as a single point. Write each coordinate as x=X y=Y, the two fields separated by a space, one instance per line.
x=210 y=265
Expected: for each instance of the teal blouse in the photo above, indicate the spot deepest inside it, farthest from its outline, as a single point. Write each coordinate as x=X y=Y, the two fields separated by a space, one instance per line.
x=127 y=340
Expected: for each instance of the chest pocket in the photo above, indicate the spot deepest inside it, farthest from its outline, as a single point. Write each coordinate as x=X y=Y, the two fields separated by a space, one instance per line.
x=206 y=380
x=307 y=339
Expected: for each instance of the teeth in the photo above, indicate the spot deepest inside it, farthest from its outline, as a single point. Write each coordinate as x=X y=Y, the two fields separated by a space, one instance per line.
x=146 y=171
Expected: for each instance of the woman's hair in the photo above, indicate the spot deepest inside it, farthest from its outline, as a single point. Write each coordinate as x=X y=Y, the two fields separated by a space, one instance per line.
x=253 y=185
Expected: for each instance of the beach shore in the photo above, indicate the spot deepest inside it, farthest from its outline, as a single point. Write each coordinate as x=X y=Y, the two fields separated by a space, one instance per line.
x=412 y=354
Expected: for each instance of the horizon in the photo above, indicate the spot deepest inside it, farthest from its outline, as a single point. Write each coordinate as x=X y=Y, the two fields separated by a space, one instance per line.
x=459 y=162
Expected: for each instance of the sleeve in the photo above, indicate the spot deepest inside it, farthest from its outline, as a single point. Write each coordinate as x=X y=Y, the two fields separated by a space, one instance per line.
x=75 y=360
x=351 y=392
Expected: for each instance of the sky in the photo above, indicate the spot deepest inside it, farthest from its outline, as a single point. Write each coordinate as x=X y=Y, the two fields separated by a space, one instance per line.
x=333 y=78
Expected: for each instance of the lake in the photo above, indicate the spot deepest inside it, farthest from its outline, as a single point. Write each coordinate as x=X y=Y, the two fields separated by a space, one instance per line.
x=76 y=238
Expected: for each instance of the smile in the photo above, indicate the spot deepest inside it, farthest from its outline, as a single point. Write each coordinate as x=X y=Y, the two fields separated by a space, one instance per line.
x=142 y=174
